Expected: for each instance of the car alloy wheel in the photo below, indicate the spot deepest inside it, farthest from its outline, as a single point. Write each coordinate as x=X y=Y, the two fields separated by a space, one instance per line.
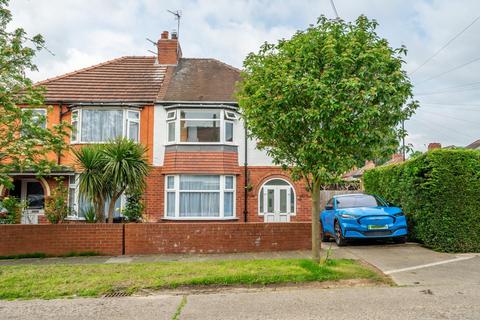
x=339 y=239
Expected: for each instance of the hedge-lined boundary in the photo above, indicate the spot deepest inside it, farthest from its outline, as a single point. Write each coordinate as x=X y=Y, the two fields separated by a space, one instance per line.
x=440 y=194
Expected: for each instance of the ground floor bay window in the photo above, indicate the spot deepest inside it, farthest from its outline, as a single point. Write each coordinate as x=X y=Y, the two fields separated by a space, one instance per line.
x=79 y=205
x=199 y=197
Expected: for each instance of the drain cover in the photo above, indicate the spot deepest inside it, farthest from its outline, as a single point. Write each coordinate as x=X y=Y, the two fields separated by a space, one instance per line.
x=117 y=294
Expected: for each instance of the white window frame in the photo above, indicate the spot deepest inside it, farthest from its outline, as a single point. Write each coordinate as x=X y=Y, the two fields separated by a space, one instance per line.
x=262 y=189
x=222 y=190
x=230 y=115
x=125 y=123
x=223 y=118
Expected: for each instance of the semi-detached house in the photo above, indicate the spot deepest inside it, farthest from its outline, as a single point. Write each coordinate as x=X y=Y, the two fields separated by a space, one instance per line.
x=204 y=168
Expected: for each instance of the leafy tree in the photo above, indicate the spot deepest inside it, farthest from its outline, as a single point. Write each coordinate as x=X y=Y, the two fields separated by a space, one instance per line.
x=20 y=134
x=326 y=99
x=109 y=170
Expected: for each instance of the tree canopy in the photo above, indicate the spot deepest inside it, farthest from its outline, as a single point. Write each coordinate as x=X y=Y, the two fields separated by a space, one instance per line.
x=24 y=143
x=327 y=99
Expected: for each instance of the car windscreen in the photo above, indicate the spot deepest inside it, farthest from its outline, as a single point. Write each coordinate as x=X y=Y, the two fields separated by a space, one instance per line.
x=357 y=201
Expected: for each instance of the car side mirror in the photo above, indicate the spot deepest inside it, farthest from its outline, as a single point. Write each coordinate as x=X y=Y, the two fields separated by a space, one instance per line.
x=329 y=207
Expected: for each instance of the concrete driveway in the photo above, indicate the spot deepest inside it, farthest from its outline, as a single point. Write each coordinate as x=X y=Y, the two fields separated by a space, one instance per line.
x=412 y=264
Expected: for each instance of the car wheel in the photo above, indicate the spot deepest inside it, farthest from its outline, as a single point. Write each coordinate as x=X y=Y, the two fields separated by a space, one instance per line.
x=339 y=239
x=399 y=240
x=323 y=235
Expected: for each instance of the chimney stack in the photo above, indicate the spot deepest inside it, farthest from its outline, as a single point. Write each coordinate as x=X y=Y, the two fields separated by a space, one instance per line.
x=434 y=145
x=169 y=51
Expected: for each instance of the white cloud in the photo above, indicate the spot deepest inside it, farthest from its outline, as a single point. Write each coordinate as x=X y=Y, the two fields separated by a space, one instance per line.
x=85 y=32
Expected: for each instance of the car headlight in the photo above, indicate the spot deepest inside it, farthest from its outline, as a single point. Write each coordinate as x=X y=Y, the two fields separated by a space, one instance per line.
x=347 y=216
x=399 y=214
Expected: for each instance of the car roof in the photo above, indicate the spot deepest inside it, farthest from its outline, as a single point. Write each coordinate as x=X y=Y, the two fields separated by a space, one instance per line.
x=350 y=195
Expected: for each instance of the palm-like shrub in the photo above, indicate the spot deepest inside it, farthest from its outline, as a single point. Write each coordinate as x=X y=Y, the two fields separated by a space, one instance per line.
x=111 y=169
x=92 y=183
x=125 y=165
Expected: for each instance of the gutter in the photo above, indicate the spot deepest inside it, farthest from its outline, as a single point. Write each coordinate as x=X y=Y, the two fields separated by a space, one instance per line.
x=231 y=103
x=112 y=104
x=245 y=164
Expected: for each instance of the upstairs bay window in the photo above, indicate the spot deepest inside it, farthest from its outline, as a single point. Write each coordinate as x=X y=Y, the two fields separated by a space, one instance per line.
x=101 y=125
x=200 y=126
x=199 y=197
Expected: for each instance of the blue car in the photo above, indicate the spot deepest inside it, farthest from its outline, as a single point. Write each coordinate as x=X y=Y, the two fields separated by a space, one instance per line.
x=362 y=216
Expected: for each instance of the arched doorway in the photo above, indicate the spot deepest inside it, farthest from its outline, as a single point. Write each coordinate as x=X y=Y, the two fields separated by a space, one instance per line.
x=32 y=192
x=276 y=200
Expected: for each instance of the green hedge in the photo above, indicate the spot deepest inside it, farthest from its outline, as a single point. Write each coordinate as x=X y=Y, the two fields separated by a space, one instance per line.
x=439 y=192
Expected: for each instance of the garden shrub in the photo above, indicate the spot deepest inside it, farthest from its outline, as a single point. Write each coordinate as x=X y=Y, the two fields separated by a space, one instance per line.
x=134 y=207
x=12 y=210
x=439 y=192
x=90 y=215
x=56 y=206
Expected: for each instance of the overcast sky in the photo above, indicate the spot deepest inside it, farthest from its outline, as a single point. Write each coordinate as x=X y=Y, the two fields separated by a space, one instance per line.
x=85 y=32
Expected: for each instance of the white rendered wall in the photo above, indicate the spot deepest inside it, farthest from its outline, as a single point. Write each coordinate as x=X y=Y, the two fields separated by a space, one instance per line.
x=255 y=157
x=159 y=135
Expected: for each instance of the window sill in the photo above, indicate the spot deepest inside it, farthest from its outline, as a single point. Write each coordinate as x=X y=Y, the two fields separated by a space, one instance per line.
x=200 y=218
x=201 y=144
x=73 y=218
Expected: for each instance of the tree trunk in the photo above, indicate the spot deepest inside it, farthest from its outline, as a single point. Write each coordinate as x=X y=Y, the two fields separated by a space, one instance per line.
x=111 y=206
x=100 y=210
x=315 y=221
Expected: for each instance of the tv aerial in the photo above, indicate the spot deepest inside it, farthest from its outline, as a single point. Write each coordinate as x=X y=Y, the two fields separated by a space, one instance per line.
x=178 y=16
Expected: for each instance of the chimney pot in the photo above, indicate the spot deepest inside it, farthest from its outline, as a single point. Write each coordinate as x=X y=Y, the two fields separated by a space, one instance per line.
x=434 y=145
x=174 y=34
x=164 y=35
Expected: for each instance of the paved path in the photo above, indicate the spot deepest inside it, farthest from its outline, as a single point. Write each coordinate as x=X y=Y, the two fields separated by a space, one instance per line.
x=433 y=286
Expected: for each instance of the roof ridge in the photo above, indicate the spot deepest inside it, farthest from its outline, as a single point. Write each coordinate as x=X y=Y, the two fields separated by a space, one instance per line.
x=219 y=61
x=79 y=70
x=228 y=65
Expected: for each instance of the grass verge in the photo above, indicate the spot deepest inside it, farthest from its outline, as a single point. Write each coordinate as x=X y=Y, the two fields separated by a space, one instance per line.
x=93 y=280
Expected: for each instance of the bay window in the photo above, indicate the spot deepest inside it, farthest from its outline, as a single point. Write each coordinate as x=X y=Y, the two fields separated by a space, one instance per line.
x=199 y=197
x=94 y=125
x=200 y=126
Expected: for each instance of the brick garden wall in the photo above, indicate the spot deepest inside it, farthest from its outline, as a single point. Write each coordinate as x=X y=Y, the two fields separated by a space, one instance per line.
x=61 y=239
x=151 y=238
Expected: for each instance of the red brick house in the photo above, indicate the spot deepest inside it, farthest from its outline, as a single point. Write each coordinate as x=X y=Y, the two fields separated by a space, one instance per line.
x=184 y=110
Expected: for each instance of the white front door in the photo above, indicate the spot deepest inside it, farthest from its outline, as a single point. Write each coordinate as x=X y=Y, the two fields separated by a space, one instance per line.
x=277 y=203
x=33 y=195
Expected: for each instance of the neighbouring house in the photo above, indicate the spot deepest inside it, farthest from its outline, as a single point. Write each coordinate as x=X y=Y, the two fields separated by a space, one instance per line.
x=357 y=173
x=475 y=145
x=204 y=168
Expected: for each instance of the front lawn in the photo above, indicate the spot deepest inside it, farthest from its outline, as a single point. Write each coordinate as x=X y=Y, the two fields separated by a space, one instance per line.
x=93 y=280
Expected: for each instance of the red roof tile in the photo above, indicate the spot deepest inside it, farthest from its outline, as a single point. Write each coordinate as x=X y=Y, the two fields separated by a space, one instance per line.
x=123 y=79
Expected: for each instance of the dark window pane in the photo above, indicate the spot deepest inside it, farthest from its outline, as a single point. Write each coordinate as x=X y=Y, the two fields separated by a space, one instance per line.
x=199 y=131
x=200 y=114
x=357 y=201
x=228 y=132
x=35 y=195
